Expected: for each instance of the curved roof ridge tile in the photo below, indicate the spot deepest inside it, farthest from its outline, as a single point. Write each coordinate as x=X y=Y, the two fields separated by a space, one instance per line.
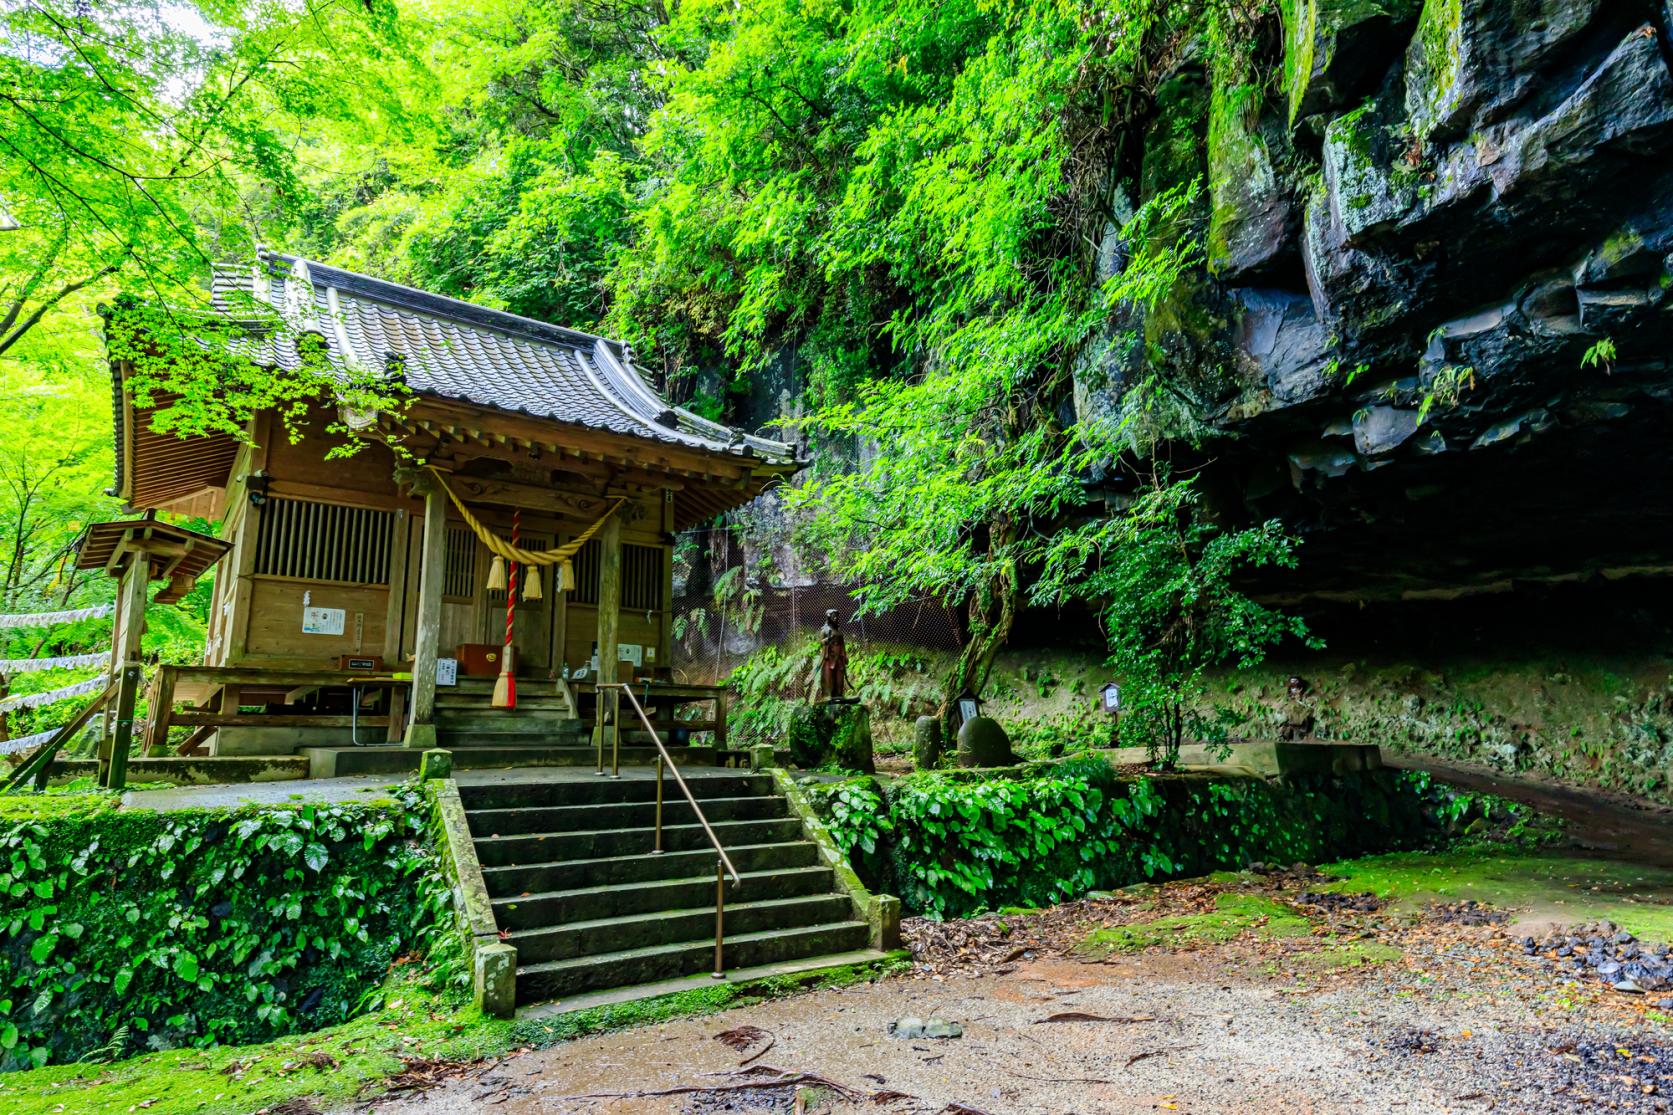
x=467 y=353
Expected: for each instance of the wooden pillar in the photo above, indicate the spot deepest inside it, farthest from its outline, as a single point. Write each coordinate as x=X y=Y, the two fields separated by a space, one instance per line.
x=394 y=622
x=136 y=580
x=665 y=625
x=609 y=595
x=421 y=722
x=161 y=709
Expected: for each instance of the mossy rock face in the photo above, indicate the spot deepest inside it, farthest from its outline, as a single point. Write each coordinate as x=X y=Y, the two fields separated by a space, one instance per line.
x=983 y=743
x=831 y=735
x=1334 y=50
x=1252 y=185
x=1176 y=144
x=1471 y=59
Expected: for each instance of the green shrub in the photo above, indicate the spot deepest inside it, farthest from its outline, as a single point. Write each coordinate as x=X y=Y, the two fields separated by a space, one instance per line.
x=132 y=930
x=952 y=846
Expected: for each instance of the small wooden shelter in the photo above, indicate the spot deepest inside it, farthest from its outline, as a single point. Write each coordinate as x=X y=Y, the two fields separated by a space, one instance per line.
x=383 y=563
x=137 y=552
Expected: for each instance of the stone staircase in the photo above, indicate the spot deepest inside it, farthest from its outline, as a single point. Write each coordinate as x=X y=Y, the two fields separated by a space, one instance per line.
x=576 y=889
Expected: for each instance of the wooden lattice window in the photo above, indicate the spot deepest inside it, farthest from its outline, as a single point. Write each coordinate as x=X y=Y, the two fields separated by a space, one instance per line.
x=324 y=542
x=586 y=574
x=459 y=568
x=642 y=578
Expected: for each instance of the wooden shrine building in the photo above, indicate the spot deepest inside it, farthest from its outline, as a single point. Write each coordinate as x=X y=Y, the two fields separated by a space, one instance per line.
x=349 y=579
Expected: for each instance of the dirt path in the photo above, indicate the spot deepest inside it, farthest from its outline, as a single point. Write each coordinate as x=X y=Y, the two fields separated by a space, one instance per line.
x=1615 y=824
x=1277 y=1000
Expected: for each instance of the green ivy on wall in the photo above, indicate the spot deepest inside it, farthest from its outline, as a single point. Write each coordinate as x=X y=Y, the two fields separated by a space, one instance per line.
x=128 y=930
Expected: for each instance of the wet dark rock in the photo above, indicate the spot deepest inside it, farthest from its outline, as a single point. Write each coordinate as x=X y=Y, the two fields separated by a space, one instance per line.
x=1465 y=204
x=1472 y=59
x=1383 y=429
x=1468 y=912
x=982 y=742
x=1254 y=213
x=927 y=743
x=1610 y=955
x=1279 y=332
x=1411 y=1041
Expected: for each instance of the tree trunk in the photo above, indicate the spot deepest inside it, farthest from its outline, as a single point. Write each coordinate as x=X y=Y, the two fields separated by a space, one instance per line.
x=992 y=613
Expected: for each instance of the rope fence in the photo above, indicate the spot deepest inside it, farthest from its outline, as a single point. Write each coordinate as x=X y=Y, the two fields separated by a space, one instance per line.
x=47 y=697
x=52 y=619
x=10 y=666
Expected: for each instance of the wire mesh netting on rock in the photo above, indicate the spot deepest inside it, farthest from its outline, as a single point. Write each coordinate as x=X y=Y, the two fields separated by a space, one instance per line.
x=735 y=596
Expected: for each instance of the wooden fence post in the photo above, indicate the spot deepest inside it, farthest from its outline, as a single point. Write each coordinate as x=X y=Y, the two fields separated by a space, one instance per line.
x=116 y=775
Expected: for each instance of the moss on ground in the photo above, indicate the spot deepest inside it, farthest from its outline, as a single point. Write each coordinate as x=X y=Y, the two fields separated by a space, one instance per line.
x=1233 y=915
x=1543 y=885
x=34 y=807
x=356 y=1059
x=1338 y=954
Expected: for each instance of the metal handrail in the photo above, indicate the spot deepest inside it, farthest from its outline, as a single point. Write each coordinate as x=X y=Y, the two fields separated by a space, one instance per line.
x=662 y=752
x=665 y=761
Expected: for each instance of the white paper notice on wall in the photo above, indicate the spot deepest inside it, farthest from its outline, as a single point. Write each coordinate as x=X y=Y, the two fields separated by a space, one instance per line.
x=447 y=671
x=630 y=652
x=323 y=621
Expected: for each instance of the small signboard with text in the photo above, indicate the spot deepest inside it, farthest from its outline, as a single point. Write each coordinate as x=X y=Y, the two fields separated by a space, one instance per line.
x=1110 y=698
x=323 y=621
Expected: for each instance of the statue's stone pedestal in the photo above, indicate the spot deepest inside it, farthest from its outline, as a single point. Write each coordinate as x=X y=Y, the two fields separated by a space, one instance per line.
x=831 y=734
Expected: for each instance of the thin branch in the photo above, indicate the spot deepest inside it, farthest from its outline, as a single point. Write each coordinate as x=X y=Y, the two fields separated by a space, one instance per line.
x=7 y=340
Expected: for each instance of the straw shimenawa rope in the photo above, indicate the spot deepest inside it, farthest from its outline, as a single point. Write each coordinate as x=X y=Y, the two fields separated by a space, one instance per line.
x=499 y=547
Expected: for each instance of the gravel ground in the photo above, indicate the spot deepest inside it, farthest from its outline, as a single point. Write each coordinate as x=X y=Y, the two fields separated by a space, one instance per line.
x=1369 y=1011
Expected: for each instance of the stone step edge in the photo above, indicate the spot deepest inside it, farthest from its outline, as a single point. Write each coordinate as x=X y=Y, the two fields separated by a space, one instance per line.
x=810 y=968
x=650 y=803
x=599 y=861
x=678 y=880
x=518 y=936
x=641 y=830
x=605 y=958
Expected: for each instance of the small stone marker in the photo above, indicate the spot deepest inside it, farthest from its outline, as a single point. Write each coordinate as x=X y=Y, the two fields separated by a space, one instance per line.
x=926 y=743
x=435 y=763
x=938 y=1028
x=983 y=743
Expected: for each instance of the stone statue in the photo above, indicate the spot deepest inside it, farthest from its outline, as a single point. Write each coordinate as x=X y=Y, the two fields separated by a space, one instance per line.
x=833 y=660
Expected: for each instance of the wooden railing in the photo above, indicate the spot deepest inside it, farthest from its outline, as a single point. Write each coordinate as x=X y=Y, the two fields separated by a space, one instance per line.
x=665 y=761
x=228 y=684
x=673 y=694
x=112 y=767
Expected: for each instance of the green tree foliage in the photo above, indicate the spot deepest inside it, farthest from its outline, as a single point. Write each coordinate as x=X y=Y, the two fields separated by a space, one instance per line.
x=142 y=143
x=899 y=206
x=1167 y=581
x=132 y=132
